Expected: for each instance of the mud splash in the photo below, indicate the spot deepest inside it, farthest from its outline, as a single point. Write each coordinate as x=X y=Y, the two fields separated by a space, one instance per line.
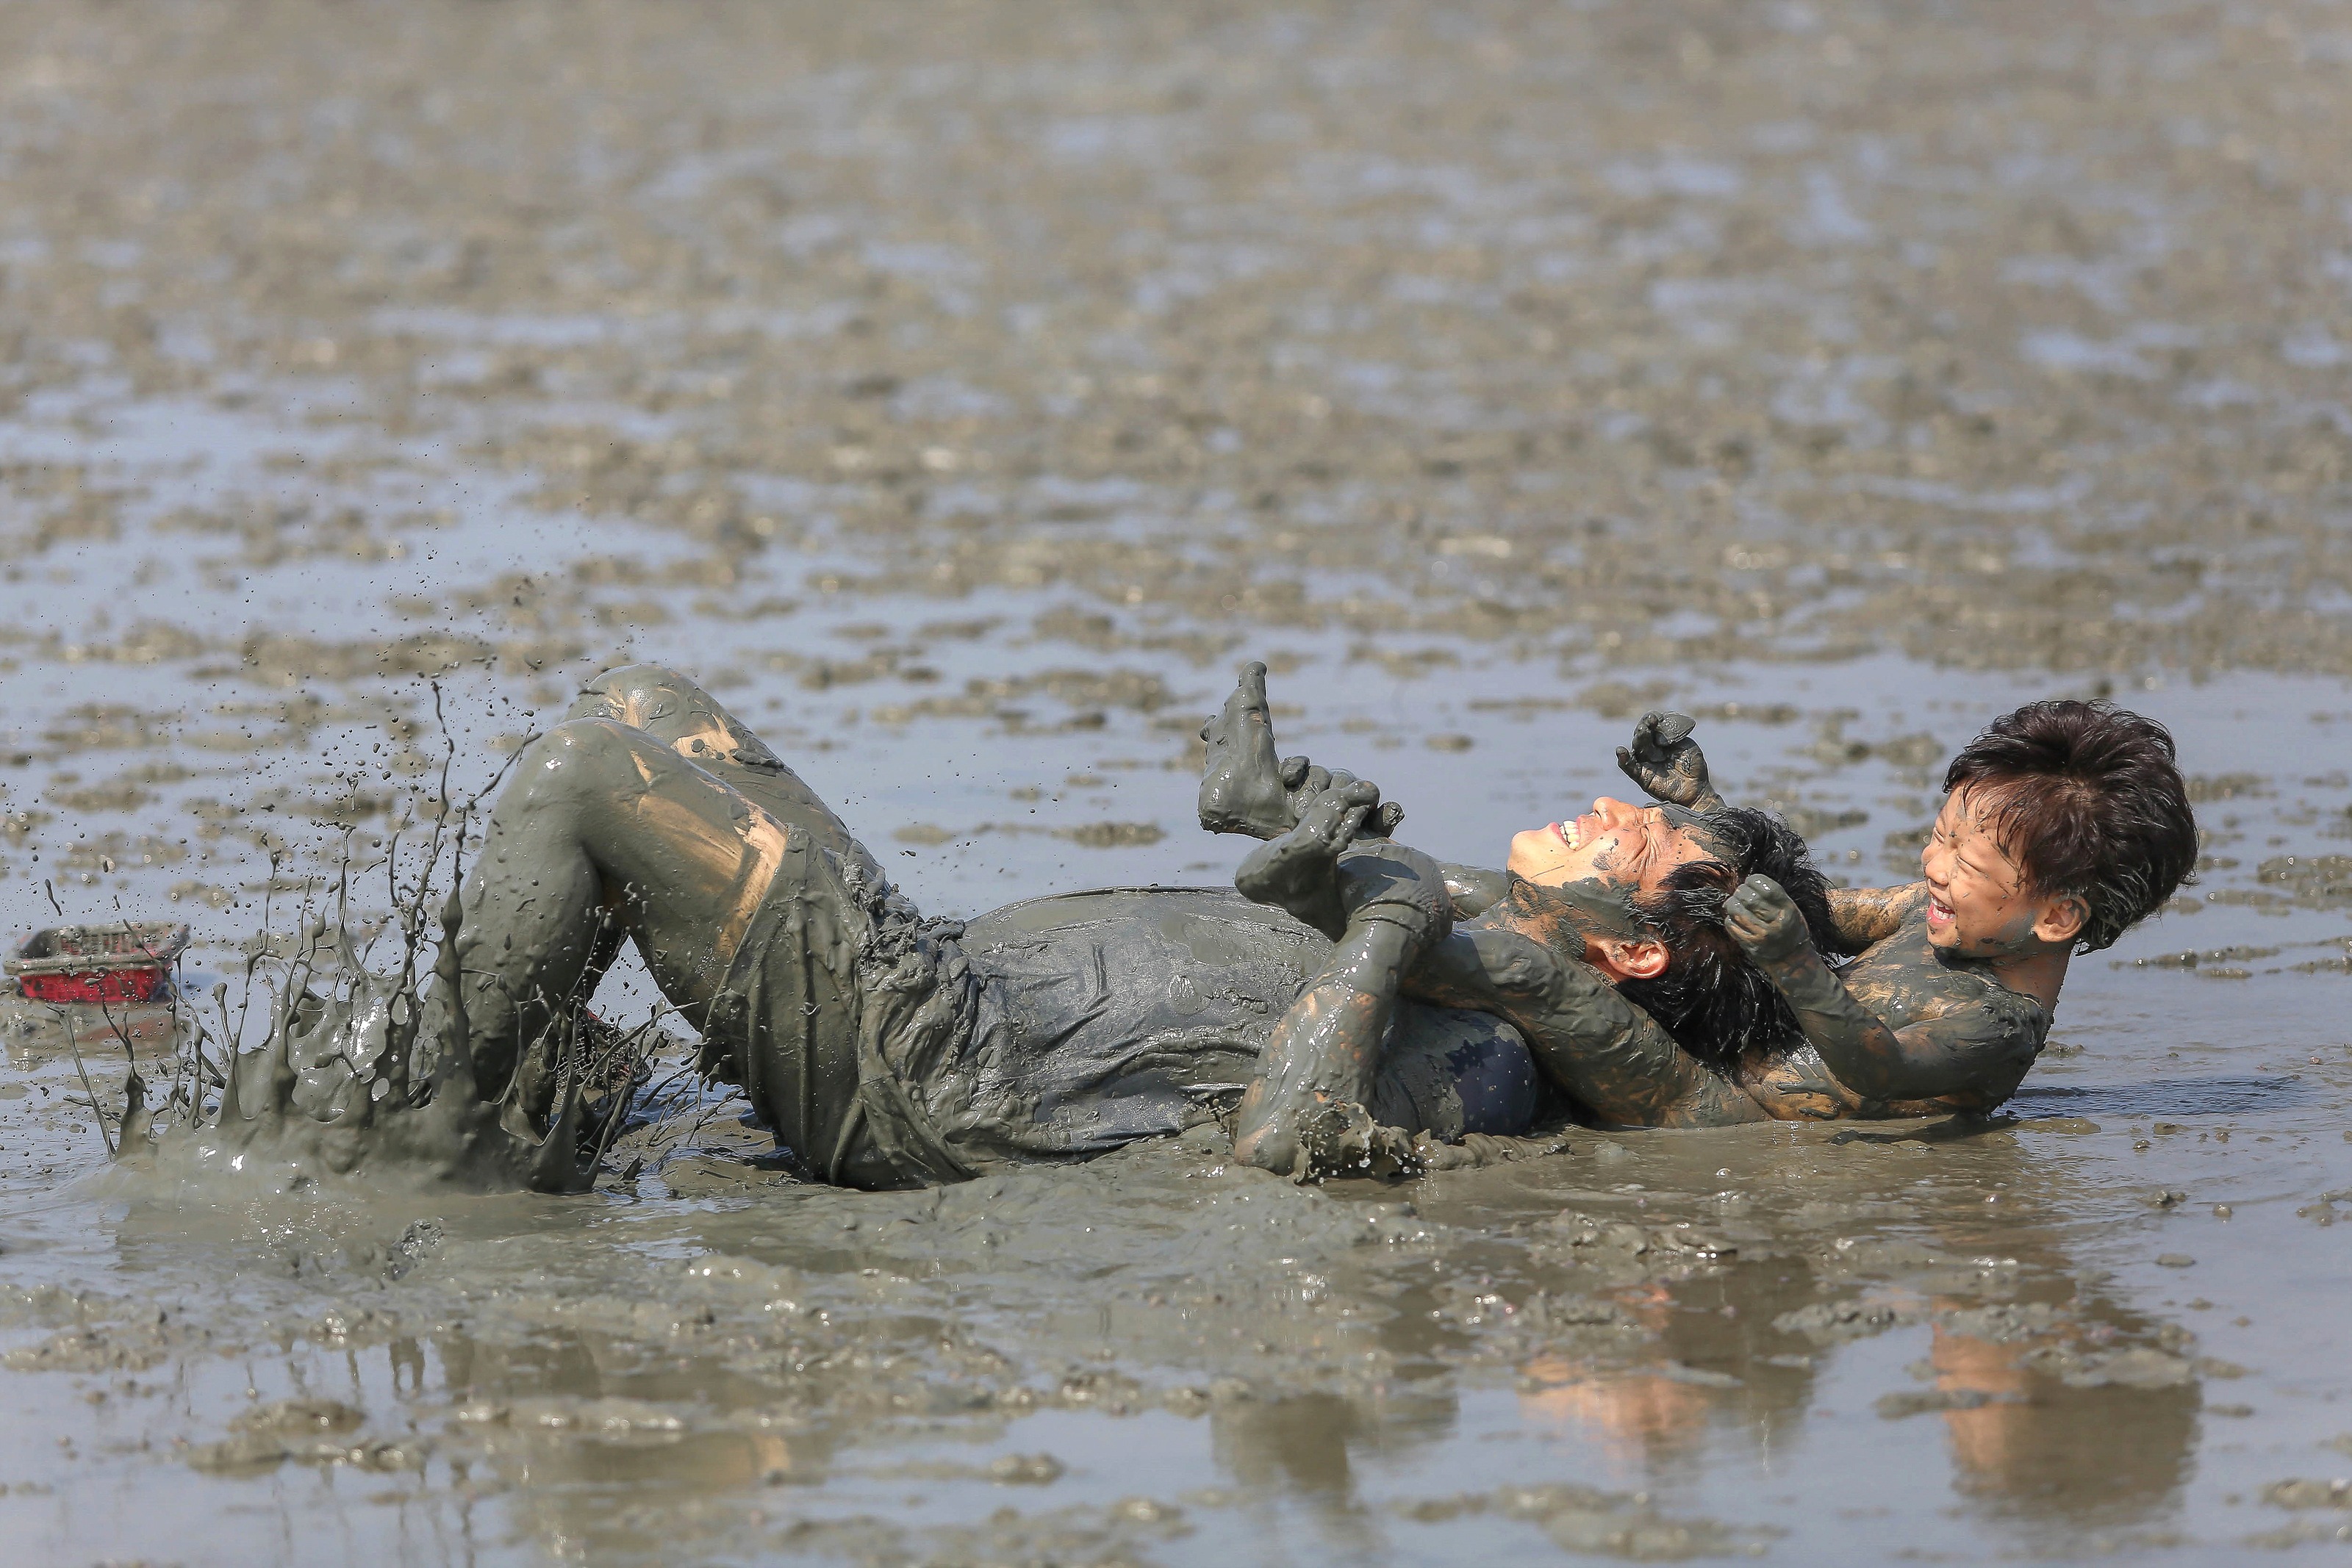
x=345 y=1083
x=356 y=1075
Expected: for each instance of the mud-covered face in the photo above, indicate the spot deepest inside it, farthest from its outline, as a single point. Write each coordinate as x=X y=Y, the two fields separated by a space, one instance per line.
x=1625 y=846
x=1980 y=902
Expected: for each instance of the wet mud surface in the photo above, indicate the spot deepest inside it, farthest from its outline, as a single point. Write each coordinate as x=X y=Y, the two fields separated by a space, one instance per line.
x=964 y=393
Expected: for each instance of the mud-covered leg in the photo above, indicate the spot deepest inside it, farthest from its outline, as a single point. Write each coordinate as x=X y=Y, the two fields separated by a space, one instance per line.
x=1318 y=1067
x=602 y=825
x=679 y=713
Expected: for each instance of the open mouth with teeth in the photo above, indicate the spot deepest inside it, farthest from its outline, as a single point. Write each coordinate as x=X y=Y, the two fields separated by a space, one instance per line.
x=1571 y=833
x=1940 y=914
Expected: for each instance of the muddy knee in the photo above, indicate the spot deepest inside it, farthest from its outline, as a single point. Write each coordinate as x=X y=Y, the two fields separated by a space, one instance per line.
x=578 y=759
x=661 y=703
x=669 y=707
x=635 y=694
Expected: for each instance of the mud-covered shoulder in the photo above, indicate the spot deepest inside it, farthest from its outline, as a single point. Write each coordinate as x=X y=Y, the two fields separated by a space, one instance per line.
x=1904 y=980
x=1863 y=916
x=1474 y=890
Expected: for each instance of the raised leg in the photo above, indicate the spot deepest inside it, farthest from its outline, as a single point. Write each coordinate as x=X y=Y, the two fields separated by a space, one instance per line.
x=679 y=713
x=602 y=826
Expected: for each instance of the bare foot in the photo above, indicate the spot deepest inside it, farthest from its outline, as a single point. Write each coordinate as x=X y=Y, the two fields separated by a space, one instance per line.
x=1299 y=871
x=1244 y=788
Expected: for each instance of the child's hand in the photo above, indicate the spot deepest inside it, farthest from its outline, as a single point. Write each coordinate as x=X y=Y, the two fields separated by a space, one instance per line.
x=1667 y=763
x=1764 y=920
x=1307 y=783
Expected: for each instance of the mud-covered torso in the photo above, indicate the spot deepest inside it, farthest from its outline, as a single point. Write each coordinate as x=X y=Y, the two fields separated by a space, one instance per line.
x=1102 y=1018
x=1110 y=1016
x=1906 y=983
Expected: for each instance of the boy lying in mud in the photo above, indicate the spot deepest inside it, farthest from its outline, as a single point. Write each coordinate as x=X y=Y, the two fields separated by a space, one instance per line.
x=2065 y=824
x=885 y=1050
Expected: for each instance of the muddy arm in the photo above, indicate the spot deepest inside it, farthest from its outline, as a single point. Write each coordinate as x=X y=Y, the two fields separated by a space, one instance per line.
x=1384 y=907
x=1613 y=1058
x=1325 y=1052
x=1864 y=916
x=1473 y=889
x=1973 y=1051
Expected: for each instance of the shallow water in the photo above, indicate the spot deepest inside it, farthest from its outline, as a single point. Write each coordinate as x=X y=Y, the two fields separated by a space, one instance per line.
x=964 y=393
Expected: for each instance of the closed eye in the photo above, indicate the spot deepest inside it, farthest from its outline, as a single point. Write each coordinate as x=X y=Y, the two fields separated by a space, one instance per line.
x=1653 y=824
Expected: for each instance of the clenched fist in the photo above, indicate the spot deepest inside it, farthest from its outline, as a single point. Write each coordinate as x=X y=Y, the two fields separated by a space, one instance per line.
x=1764 y=920
x=1667 y=763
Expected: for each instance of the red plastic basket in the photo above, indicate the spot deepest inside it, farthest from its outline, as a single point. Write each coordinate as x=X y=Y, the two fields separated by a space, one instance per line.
x=99 y=985
x=126 y=962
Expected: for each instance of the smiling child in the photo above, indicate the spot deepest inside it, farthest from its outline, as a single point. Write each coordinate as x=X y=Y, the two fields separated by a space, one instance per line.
x=2065 y=823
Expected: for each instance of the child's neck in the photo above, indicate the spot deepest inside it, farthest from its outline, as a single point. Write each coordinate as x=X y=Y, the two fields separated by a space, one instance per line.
x=2038 y=973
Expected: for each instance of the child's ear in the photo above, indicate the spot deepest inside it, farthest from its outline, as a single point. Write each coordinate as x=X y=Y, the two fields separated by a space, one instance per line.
x=1642 y=960
x=2061 y=920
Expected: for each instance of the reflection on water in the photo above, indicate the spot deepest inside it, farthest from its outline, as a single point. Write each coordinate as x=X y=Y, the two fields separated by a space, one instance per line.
x=2063 y=1401
x=2023 y=1441
x=2039 y=1449
x=1302 y=1443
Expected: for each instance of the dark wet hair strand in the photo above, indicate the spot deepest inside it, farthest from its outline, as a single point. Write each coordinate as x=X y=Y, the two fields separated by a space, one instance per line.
x=1712 y=998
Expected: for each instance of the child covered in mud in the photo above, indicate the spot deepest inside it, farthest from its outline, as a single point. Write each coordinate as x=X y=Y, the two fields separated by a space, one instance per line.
x=2065 y=823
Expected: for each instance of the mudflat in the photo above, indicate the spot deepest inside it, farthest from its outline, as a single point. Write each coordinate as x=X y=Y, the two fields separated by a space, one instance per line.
x=962 y=392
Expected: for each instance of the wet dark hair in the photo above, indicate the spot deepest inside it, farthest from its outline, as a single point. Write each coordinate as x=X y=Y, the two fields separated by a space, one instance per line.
x=1711 y=997
x=2088 y=801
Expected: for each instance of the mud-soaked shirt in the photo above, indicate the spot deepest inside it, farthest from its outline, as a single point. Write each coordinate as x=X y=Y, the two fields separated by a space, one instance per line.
x=1117 y=1015
x=1105 y=1017
x=890 y=1050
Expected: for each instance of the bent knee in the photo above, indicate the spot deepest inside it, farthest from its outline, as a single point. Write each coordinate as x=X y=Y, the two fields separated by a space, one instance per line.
x=634 y=695
x=578 y=755
x=674 y=710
